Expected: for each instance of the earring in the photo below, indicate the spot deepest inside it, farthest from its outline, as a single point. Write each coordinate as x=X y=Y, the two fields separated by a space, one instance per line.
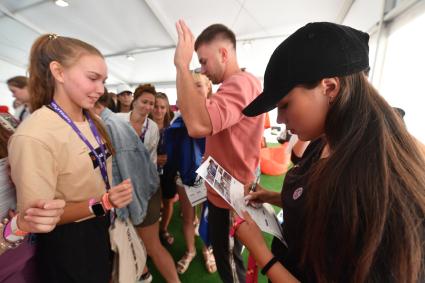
x=331 y=100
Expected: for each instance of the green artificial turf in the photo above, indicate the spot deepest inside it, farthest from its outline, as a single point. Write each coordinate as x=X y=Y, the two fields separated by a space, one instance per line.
x=197 y=272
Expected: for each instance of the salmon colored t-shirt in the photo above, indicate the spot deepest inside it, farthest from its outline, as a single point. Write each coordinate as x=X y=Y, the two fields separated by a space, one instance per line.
x=235 y=139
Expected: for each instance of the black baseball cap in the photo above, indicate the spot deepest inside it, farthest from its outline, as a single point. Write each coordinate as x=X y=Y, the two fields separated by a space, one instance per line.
x=315 y=51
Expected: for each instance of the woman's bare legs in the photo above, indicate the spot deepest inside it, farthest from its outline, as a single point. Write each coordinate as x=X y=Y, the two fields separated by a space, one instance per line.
x=167 y=213
x=188 y=230
x=160 y=256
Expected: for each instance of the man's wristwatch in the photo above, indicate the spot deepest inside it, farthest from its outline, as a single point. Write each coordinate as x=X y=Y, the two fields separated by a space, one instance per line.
x=96 y=207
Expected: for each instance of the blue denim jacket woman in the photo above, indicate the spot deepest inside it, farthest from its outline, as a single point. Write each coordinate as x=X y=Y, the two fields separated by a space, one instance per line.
x=131 y=160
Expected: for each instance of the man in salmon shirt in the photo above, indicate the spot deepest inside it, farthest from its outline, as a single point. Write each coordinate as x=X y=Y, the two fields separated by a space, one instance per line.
x=232 y=139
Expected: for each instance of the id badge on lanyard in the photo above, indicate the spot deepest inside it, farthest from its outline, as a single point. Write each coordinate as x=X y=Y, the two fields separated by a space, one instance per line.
x=144 y=130
x=101 y=158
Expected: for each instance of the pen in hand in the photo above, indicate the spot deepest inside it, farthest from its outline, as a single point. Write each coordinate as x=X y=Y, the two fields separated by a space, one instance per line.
x=252 y=189
x=253 y=185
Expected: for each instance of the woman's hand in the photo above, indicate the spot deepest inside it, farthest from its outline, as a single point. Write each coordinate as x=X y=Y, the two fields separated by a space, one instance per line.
x=260 y=195
x=250 y=235
x=41 y=217
x=161 y=160
x=257 y=195
x=122 y=194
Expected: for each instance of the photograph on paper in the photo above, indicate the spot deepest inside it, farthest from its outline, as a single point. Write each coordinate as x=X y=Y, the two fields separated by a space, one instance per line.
x=232 y=191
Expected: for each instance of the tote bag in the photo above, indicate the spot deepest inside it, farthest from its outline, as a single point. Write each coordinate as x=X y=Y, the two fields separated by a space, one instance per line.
x=130 y=252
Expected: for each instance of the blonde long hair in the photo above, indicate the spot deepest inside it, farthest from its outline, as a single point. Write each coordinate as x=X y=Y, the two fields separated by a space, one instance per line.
x=197 y=76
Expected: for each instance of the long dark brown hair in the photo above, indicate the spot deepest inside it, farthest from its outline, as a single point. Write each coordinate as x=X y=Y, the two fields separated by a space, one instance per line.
x=106 y=100
x=66 y=51
x=18 y=81
x=5 y=135
x=7 y=128
x=366 y=205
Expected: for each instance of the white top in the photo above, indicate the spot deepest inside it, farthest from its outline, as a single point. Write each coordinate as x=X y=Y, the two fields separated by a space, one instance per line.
x=150 y=128
x=7 y=191
x=22 y=112
x=176 y=115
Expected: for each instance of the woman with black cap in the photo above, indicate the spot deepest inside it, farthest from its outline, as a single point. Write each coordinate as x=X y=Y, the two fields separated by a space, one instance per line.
x=354 y=206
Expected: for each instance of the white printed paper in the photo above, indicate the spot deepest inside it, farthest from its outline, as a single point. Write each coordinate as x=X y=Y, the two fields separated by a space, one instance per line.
x=196 y=194
x=232 y=191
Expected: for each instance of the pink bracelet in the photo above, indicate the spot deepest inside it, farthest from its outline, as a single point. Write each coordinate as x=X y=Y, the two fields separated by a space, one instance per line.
x=11 y=232
x=8 y=242
x=7 y=230
x=106 y=203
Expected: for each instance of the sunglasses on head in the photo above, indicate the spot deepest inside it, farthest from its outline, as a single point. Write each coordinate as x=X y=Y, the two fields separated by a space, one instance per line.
x=161 y=94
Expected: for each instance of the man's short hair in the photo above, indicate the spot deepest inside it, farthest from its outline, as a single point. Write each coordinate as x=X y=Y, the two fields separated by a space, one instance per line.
x=215 y=31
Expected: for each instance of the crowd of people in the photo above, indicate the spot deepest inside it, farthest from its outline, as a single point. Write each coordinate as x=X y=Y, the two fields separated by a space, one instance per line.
x=76 y=157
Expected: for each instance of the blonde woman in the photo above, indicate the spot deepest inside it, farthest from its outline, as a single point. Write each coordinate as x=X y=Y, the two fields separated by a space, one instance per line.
x=63 y=151
x=186 y=154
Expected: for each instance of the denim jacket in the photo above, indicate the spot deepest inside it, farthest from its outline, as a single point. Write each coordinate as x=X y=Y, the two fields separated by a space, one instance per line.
x=131 y=160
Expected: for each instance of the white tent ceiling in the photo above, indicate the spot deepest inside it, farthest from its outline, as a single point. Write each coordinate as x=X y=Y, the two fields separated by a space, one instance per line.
x=145 y=29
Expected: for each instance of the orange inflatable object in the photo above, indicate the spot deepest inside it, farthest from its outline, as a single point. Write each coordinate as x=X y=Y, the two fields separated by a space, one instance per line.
x=274 y=161
x=267 y=121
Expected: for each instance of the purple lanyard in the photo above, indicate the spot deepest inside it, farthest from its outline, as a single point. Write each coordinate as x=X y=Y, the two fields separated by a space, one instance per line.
x=101 y=159
x=144 y=130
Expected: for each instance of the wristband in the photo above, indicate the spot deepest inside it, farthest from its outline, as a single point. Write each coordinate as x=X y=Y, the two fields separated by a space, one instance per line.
x=4 y=243
x=269 y=265
x=106 y=203
x=238 y=221
x=12 y=233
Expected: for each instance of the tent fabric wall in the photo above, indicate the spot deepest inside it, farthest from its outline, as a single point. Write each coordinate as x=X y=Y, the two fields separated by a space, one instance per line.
x=145 y=30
